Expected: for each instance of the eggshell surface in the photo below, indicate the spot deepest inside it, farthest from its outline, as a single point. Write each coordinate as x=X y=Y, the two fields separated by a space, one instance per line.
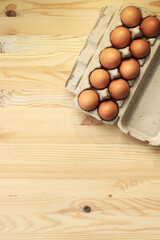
x=131 y=16
x=99 y=78
x=88 y=100
x=140 y=48
x=120 y=37
x=129 y=69
x=119 y=89
x=150 y=27
x=110 y=58
x=108 y=110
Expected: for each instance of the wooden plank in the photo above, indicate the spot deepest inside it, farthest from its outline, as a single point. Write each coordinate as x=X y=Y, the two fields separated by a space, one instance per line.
x=109 y=189
x=108 y=217
x=33 y=78
x=53 y=61
x=55 y=17
x=74 y=161
x=38 y=45
x=39 y=207
x=37 y=98
x=56 y=125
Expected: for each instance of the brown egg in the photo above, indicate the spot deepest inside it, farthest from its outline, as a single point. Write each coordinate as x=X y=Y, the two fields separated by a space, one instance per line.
x=108 y=110
x=150 y=27
x=110 y=58
x=129 y=69
x=119 y=89
x=131 y=16
x=88 y=100
x=140 y=48
x=99 y=78
x=120 y=37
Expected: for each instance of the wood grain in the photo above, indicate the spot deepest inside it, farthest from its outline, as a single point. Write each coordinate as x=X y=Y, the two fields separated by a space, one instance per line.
x=55 y=160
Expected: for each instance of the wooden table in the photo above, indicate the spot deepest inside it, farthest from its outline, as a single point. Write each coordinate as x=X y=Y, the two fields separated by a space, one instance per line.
x=63 y=175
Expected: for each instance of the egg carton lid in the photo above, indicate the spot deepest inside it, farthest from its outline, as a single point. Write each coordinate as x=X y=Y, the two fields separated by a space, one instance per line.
x=140 y=113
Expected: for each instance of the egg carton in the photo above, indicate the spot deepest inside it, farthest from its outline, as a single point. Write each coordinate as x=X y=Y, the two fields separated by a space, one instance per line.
x=139 y=113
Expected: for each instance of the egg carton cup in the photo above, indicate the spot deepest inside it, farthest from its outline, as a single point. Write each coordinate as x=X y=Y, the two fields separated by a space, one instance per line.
x=139 y=113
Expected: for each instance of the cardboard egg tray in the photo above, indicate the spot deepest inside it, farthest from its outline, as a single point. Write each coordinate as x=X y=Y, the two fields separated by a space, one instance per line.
x=139 y=113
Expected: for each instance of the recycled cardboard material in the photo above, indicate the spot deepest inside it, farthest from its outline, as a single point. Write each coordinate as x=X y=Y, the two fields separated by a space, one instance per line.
x=139 y=113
